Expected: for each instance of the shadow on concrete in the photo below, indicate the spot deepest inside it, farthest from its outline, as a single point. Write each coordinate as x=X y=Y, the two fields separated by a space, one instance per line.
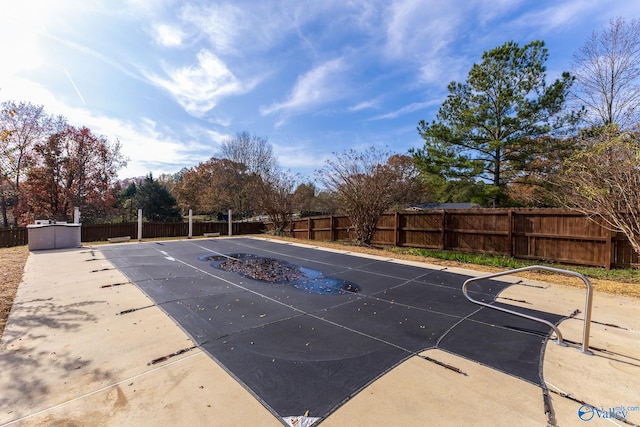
x=29 y=346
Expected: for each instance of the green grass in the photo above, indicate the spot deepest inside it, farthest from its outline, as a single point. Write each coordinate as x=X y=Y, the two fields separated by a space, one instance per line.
x=628 y=275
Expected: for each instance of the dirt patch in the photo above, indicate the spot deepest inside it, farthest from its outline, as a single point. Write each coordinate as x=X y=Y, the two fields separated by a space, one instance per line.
x=12 y=261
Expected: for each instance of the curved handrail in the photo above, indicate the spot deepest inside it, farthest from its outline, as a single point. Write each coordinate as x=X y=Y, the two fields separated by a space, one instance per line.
x=587 y=310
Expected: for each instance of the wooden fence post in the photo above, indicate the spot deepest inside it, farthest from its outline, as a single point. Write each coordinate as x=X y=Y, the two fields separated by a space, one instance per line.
x=608 y=250
x=443 y=232
x=332 y=233
x=511 y=226
x=396 y=229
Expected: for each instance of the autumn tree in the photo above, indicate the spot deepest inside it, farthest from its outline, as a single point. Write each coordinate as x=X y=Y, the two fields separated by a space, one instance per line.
x=215 y=186
x=73 y=168
x=367 y=184
x=169 y=180
x=487 y=129
x=602 y=179
x=22 y=125
x=607 y=73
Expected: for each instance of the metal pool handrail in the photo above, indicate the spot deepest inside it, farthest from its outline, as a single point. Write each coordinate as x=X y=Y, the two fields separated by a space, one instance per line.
x=587 y=308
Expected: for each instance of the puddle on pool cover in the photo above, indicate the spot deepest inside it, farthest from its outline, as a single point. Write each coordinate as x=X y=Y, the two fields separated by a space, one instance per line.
x=277 y=271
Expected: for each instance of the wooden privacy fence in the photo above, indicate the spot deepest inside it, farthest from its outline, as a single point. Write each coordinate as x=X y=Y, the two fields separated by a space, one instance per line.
x=13 y=237
x=553 y=235
x=539 y=234
x=95 y=233
x=102 y=232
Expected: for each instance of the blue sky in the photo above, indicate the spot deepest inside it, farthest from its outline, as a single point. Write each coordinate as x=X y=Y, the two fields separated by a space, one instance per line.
x=172 y=79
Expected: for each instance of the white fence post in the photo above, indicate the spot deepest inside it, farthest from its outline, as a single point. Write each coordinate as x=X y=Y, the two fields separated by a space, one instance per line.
x=139 y=225
x=190 y=223
x=230 y=223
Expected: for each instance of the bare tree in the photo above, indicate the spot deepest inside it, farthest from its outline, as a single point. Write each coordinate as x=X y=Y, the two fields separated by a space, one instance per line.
x=275 y=197
x=367 y=184
x=607 y=73
x=252 y=151
x=602 y=180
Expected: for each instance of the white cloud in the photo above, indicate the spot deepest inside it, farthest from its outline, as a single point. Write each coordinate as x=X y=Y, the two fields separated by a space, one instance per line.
x=488 y=12
x=558 y=16
x=221 y=24
x=316 y=87
x=167 y=35
x=426 y=40
x=148 y=147
x=301 y=157
x=372 y=103
x=432 y=71
x=143 y=143
x=415 y=30
x=199 y=88
x=404 y=110
x=85 y=50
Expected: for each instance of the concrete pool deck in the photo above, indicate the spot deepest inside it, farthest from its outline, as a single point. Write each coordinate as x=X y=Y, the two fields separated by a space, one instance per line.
x=66 y=358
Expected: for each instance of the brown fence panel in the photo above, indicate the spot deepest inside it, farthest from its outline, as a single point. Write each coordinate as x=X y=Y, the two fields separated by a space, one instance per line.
x=385 y=233
x=300 y=228
x=478 y=231
x=253 y=227
x=342 y=229
x=152 y=230
x=561 y=236
x=320 y=228
x=199 y=228
x=328 y=228
x=623 y=254
x=102 y=232
x=13 y=237
x=421 y=230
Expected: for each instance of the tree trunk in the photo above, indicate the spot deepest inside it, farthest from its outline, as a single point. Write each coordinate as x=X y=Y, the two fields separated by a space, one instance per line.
x=3 y=208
